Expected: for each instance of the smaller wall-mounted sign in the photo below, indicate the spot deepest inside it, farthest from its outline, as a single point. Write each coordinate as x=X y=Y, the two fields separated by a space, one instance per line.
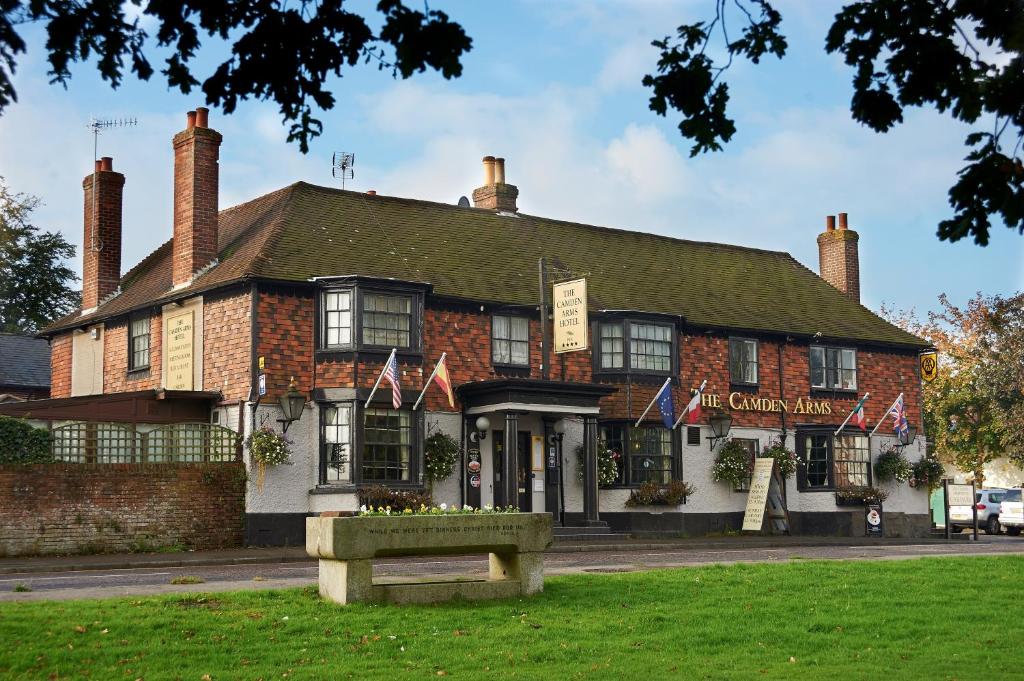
x=569 y=299
x=929 y=366
x=262 y=384
x=873 y=521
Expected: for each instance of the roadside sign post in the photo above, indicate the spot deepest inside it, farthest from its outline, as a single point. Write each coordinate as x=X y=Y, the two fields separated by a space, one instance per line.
x=945 y=503
x=960 y=496
x=974 y=509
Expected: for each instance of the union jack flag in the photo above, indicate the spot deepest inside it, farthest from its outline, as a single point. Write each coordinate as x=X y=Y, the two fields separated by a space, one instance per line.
x=391 y=373
x=898 y=411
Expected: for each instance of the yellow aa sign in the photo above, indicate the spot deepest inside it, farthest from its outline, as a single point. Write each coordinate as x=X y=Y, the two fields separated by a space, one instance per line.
x=929 y=366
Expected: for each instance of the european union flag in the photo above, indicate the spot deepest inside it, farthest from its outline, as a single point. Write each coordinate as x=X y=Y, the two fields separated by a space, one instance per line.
x=668 y=410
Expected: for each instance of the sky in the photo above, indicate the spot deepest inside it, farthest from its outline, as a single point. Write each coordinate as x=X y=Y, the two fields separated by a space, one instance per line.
x=555 y=89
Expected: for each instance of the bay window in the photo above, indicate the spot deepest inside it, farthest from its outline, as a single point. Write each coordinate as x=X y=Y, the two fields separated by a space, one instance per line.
x=357 y=317
x=645 y=453
x=636 y=346
x=374 y=445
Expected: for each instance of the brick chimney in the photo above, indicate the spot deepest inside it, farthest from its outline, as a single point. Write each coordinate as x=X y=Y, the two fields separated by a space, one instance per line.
x=101 y=247
x=495 y=194
x=196 y=153
x=838 y=261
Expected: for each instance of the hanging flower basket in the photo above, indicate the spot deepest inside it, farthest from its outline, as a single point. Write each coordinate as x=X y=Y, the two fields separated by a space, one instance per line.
x=267 y=448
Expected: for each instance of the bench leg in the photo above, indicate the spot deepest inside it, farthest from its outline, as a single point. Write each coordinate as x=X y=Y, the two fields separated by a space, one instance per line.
x=528 y=568
x=346 y=581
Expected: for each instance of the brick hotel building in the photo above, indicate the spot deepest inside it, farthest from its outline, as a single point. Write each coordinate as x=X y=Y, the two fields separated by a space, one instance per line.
x=320 y=284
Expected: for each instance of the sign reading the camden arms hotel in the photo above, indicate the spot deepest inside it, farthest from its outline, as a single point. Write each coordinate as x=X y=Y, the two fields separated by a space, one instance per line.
x=179 y=351
x=570 y=310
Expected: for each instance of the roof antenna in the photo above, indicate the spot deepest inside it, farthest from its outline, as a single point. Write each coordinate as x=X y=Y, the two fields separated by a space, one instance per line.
x=341 y=166
x=96 y=125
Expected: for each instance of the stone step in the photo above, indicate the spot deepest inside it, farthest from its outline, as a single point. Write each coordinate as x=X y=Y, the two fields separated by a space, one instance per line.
x=587 y=537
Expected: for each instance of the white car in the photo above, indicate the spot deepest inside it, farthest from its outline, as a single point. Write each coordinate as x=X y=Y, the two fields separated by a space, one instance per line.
x=1011 y=512
x=987 y=501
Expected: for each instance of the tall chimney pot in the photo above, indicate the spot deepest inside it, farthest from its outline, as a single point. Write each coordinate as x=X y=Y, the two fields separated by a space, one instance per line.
x=499 y=171
x=107 y=164
x=838 y=258
x=496 y=194
x=190 y=120
x=202 y=117
x=488 y=170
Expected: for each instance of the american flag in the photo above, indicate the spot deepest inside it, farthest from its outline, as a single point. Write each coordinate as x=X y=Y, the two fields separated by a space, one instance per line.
x=391 y=373
x=898 y=411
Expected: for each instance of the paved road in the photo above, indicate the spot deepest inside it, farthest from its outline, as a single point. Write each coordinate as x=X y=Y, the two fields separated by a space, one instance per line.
x=144 y=581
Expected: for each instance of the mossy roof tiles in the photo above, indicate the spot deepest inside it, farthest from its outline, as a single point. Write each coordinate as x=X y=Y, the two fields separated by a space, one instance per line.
x=303 y=231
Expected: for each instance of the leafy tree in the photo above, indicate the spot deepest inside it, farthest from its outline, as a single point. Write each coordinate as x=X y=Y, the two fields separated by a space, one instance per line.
x=904 y=53
x=281 y=51
x=34 y=282
x=974 y=409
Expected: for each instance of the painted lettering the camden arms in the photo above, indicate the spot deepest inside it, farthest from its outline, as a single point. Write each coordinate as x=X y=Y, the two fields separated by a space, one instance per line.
x=744 y=402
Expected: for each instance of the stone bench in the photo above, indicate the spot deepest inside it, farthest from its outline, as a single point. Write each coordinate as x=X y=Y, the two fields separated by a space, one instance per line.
x=346 y=548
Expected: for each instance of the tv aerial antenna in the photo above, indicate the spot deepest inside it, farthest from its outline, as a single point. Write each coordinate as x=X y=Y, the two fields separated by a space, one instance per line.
x=342 y=163
x=96 y=126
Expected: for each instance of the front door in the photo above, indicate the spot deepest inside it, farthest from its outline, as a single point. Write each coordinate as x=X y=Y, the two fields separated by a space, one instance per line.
x=523 y=473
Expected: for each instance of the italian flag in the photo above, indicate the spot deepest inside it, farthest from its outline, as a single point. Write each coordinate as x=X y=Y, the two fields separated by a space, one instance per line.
x=858 y=414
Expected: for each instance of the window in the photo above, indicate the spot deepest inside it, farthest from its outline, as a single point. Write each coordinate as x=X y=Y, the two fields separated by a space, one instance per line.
x=138 y=344
x=743 y=361
x=650 y=347
x=337 y=318
x=387 y=320
x=636 y=346
x=387 y=445
x=853 y=461
x=833 y=368
x=337 y=423
x=833 y=462
x=612 y=352
x=510 y=340
x=355 y=318
x=650 y=455
x=614 y=438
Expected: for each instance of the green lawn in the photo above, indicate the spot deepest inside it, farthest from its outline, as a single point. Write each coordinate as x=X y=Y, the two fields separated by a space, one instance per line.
x=930 y=618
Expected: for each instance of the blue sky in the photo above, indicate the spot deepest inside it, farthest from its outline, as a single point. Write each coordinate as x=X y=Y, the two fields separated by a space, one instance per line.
x=554 y=87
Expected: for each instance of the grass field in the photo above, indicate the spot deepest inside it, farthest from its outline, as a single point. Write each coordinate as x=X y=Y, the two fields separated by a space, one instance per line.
x=934 y=618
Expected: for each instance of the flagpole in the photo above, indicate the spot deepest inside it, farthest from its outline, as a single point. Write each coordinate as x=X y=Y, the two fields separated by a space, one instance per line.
x=381 y=376
x=850 y=415
x=887 y=412
x=656 y=396
x=686 y=411
x=427 y=384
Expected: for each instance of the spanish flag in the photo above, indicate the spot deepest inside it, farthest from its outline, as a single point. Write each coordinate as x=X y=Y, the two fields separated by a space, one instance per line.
x=442 y=379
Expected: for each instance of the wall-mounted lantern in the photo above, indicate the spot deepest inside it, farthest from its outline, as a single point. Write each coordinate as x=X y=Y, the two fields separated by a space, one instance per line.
x=559 y=431
x=483 y=424
x=292 y=404
x=906 y=439
x=720 y=423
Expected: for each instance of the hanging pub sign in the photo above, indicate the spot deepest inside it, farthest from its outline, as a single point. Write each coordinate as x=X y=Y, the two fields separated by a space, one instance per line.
x=569 y=302
x=929 y=366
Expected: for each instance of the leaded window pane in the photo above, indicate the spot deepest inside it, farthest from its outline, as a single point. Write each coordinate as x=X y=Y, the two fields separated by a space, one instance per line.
x=338 y=443
x=612 y=348
x=816 y=451
x=650 y=347
x=833 y=368
x=650 y=455
x=387 y=320
x=387 y=447
x=852 y=460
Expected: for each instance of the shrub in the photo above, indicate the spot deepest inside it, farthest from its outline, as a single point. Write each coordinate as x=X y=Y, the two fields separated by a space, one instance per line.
x=732 y=465
x=22 y=443
x=377 y=496
x=892 y=465
x=440 y=452
x=652 y=494
x=927 y=472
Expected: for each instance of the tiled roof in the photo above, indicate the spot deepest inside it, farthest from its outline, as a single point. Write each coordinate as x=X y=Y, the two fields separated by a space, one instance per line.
x=303 y=231
x=24 y=361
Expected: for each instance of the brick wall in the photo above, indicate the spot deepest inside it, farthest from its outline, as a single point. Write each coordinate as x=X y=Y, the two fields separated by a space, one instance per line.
x=284 y=337
x=60 y=365
x=116 y=377
x=226 y=345
x=85 y=508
